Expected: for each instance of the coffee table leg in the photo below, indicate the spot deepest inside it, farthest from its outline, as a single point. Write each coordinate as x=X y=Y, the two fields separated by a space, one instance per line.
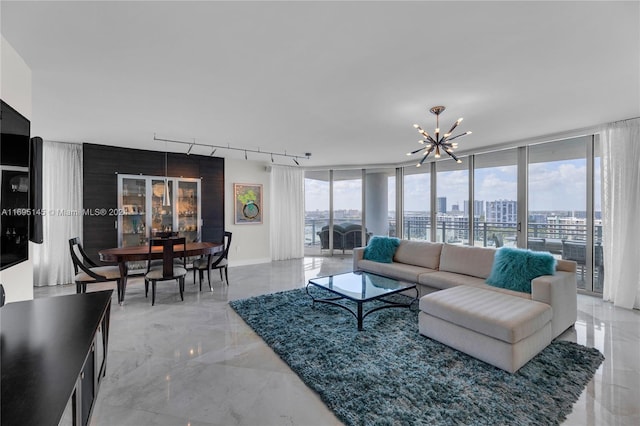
x=359 y=316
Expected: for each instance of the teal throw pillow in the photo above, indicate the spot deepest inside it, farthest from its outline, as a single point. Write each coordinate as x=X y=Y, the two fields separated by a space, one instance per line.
x=381 y=249
x=514 y=268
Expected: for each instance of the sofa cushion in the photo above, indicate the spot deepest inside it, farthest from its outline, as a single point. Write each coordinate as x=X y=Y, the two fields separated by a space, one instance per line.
x=515 y=268
x=443 y=280
x=399 y=271
x=419 y=253
x=474 y=261
x=381 y=249
x=500 y=316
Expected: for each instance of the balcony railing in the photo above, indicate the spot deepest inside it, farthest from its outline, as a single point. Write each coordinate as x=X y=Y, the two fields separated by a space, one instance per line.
x=486 y=234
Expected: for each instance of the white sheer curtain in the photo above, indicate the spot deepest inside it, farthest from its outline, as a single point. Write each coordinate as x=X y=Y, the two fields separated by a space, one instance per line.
x=621 y=204
x=287 y=213
x=62 y=203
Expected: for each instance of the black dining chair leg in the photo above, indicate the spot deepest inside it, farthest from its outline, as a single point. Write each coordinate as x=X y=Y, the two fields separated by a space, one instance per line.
x=181 y=287
x=153 y=292
x=226 y=275
x=123 y=286
x=209 y=278
x=220 y=274
x=78 y=288
x=118 y=287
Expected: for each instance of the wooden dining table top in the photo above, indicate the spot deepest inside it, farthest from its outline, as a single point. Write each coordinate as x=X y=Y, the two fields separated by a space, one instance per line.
x=128 y=254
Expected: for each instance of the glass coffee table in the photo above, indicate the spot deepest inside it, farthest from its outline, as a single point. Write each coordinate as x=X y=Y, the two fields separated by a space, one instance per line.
x=361 y=287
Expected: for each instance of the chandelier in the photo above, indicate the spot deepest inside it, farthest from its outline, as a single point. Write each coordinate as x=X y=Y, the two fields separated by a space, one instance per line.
x=438 y=142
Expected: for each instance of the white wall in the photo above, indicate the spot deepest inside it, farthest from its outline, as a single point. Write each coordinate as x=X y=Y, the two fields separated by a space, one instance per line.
x=250 y=244
x=15 y=90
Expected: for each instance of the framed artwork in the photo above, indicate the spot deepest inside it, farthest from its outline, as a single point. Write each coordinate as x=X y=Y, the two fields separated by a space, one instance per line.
x=247 y=203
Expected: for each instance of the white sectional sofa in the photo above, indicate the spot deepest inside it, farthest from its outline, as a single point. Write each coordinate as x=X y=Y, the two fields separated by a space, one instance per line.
x=503 y=327
x=443 y=266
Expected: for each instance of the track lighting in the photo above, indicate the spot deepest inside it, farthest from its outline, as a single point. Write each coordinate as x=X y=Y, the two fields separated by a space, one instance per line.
x=214 y=148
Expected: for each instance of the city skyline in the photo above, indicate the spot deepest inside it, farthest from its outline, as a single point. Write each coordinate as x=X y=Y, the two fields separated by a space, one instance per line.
x=553 y=186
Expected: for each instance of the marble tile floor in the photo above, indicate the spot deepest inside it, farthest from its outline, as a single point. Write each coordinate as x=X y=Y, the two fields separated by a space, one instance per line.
x=197 y=363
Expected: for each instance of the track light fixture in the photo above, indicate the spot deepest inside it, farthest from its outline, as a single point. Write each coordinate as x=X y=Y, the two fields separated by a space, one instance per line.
x=438 y=142
x=214 y=148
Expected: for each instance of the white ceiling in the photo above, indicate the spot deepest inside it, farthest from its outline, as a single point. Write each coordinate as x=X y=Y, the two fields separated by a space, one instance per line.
x=342 y=80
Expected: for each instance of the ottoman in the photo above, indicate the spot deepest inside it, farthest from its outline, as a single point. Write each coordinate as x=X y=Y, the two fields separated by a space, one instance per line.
x=503 y=330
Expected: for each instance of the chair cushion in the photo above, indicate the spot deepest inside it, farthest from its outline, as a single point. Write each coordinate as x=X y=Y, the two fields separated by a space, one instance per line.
x=108 y=272
x=203 y=262
x=156 y=273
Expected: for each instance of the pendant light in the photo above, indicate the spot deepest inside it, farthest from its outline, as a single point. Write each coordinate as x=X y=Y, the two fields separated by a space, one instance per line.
x=438 y=142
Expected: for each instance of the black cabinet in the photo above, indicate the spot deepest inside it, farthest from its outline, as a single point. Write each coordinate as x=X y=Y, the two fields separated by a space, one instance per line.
x=53 y=358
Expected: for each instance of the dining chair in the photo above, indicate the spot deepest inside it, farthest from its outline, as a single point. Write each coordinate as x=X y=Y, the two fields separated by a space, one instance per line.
x=88 y=272
x=168 y=270
x=211 y=261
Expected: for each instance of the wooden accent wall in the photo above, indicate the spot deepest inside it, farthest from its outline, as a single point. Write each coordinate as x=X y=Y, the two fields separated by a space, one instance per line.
x=101 y=166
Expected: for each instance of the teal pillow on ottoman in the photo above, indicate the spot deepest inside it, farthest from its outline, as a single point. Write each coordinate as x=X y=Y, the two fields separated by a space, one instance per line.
x=514 y=268
x=381 y=249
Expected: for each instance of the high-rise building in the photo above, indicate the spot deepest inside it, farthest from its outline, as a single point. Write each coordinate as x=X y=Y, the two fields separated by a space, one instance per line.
x=441 y=205
x=502 y=211
x=478 y=208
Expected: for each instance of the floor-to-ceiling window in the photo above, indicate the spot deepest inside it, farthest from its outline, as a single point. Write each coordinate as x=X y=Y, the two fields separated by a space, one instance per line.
x=563 y=212
x=452 y=183
x=417 y=203
x=316 y=190
x=347 y=197
x=558 y=201
x=495 y=205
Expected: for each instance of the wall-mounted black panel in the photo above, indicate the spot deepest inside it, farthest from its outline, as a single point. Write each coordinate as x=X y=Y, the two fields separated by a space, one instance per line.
x=14 y=186
x=103 y=163
x=14 y=137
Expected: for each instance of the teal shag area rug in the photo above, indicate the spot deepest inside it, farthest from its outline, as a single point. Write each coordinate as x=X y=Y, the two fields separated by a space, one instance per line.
x=388 y=374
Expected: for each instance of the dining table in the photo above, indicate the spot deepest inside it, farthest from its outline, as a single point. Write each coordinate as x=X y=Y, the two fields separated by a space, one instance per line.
x=122 y=255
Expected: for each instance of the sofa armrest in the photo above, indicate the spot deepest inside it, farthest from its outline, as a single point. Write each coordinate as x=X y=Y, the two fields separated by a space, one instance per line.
x=358 y=255
x=560 y=292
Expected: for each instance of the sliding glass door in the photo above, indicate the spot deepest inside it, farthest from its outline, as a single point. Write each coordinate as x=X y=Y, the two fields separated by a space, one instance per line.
x=417 y=203
x=558 y=202
x=495 y=205
x=316 y=215
x=452 y=183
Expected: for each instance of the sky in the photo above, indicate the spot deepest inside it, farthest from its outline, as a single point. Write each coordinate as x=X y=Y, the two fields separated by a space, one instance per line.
x=556 y=185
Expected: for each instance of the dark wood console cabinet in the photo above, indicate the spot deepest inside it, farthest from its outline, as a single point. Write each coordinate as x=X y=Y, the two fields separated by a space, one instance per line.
x=53 y=358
